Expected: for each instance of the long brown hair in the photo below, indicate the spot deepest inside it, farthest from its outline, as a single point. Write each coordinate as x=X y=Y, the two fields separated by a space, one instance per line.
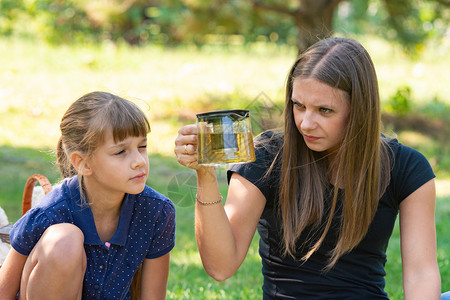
x=361 y=164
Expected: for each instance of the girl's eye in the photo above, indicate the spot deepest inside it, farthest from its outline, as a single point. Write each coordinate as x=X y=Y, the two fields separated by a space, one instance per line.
x=119 y=152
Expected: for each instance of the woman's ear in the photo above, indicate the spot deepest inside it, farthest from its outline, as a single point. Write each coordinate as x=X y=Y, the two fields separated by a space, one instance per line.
x=80 y=164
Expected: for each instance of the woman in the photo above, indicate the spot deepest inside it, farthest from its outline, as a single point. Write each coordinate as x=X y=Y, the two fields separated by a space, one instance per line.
x=324 y=193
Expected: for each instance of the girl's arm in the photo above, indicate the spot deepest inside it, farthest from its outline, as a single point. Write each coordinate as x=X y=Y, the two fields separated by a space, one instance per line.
x=10 y=274
x=155 y=273
x=223 y=233
x=421 y=279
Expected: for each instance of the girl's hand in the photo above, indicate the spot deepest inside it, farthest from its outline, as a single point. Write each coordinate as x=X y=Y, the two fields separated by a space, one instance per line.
x=186 y=146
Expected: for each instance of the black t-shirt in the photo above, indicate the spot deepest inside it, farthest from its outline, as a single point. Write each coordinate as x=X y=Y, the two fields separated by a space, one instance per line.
x=356 y=275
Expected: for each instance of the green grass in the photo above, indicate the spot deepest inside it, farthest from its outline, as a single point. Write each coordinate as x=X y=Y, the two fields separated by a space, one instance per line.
x=187 y=279
x=394 y=264
x=38 y=83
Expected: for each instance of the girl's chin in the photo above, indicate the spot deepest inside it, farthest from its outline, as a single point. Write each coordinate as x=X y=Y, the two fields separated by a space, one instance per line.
x=137 y=189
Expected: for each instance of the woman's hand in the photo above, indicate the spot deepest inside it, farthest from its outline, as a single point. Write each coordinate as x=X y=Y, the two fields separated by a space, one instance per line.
x=186 y=146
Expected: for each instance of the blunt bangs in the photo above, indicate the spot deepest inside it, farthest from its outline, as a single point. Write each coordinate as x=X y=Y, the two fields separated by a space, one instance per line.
x=127 y=120
x=123 y=118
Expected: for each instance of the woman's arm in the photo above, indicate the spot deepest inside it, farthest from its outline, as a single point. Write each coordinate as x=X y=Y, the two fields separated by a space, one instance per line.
x=421 y=279
x=223 y=233
x=10 y=274
x=155 y=273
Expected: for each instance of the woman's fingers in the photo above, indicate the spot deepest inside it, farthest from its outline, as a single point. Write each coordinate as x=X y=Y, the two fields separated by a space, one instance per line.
x=188 y=130
x=186 y=135
x=189 y=149
x=186 y=146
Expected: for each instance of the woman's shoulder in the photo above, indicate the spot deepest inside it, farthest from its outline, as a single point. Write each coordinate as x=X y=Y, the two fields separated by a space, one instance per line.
x=268 y=146
x=269 y=138
x=264 y=172
x=410 y=169
x=401 y=153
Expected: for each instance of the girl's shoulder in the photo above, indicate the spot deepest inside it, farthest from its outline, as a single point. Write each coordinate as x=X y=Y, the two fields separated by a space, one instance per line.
x=57 y=198
x=151 y=206
x=152 y=196
x=62 y=192
x=54 y=208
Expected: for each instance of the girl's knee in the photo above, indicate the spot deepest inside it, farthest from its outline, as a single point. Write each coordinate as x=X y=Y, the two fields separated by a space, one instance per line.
x=58 y=257
x=63 y=245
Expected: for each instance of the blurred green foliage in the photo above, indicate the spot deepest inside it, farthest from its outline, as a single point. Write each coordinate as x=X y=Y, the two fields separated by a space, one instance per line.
x=424 y=126
x=198 y=22
x=409 y=22
x=399 y=103
x=53 y=21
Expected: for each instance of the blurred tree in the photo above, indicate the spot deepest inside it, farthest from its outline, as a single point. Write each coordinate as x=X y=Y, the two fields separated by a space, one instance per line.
x=295 y=22
x=407 y=21
x=9 y=14
x=50 y=20
x=303 y=22
x=120 y=19
x=312 y=18
x=225 y=22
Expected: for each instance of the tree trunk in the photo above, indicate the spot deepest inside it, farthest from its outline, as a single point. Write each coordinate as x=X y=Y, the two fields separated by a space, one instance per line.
x=314 y=21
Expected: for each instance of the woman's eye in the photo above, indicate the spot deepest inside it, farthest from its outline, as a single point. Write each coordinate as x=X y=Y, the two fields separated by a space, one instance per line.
x=298 y=105
x=326 y=110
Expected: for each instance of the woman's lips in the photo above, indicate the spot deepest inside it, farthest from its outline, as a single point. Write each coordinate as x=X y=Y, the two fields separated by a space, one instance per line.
x=309 y=138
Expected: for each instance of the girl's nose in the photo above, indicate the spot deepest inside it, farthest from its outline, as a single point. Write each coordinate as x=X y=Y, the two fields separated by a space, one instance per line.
x=139 y=160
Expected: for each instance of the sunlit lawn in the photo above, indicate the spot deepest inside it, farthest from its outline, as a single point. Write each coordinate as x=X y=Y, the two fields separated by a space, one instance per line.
x=37 y=84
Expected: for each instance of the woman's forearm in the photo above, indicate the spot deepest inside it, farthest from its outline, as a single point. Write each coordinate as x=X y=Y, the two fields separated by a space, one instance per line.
x=426 y=285
x=214 y=235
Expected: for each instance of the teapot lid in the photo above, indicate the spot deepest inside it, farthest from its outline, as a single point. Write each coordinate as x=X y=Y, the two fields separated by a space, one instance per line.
x=239 y=113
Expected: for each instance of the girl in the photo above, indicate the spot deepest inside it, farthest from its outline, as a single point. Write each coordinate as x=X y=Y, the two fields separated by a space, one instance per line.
x=87 y=238
x=324 y=193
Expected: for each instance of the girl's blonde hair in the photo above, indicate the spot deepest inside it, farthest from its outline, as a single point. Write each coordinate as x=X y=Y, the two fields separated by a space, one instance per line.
x=85 y=123
x=362 y=162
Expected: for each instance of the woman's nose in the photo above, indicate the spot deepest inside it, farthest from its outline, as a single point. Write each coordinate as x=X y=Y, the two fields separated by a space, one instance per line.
x=308 y=121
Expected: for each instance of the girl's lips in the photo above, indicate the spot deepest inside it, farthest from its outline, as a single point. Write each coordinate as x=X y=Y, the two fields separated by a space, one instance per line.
x=140 y=176
x=310 y=138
